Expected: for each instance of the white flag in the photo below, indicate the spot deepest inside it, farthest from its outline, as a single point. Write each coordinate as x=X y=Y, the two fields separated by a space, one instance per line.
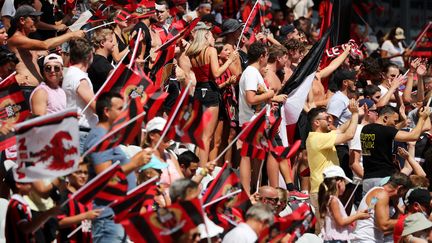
x=47 y=146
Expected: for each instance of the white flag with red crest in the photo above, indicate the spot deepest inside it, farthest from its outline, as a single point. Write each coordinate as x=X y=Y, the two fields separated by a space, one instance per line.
x=47 y=146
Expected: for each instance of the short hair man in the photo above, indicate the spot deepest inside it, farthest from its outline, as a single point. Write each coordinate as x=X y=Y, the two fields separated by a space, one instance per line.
x=100 y=68
x=377 y=144
x=188 y=162
x=320 y=145
x=379 y=201
x=108 y=109
x=258 y=217
x=28 y=73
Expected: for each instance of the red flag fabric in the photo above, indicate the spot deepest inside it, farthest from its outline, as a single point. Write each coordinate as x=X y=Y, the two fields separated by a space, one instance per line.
x=166 y=225
x=163 y=58
x=424 y=43
x=254 y=133
x=90 y=190
x=125 y=133
x=229 y=209
x=13 y=108
x=248 y=150
x=122 y=207
x=277 y=149
x=253 y=25
x=189 y=122
x=47 y=146
x=129 y=84
x=295 y=224
x=115 y=189
x=154 y=104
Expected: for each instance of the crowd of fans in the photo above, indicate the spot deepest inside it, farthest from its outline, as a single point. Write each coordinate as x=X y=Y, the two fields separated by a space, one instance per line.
x=364 y=163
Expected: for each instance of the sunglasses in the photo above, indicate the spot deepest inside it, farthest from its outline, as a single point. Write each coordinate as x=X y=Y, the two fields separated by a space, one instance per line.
x=49 y=68
x=272 y=200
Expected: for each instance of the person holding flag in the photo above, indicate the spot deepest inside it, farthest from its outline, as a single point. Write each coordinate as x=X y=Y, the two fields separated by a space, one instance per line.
x=205 y=65
x=108 y=108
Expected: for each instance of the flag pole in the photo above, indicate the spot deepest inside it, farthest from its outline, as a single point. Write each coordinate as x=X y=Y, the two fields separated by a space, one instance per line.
x=235 y=139
x=420 y=36
x=99 y=26
x=111 y=133
x=81 y=225
x=222 y=198
x=247 y=21
x=352 y=194
x=105 y=83
x=135 y=48
x=165 y=131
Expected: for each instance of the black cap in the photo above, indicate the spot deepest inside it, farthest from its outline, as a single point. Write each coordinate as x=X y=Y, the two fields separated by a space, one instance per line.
x=419 y=195
x=286 y=29
x=230 y=26
x=210 y=18
x=26 y=10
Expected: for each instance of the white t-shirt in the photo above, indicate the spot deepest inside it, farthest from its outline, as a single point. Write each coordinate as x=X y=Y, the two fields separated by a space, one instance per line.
x=300 y=7
x=3 y=209
x=338 y=107
x=250 y=79
x=355 y=144
x=243 y=233
x=71 y=81
x=393 y=50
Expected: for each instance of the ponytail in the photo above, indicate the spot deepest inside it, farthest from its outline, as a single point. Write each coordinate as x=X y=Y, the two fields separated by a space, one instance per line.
x=326 y=189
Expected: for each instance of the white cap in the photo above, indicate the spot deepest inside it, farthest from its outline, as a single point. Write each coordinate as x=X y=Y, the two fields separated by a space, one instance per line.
x=335 y=171
x=157 y=123
x=53 y=58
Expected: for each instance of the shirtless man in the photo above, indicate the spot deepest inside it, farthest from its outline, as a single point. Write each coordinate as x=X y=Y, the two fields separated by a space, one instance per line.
x=26 y=49
x=277 y=61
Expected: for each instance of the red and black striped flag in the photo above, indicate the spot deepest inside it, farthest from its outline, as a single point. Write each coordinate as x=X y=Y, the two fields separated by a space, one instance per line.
x=13 y=108
x=154 y=104
x=90 y=190
x=295 y=224
x=230 y=209
x=188 y=124
x=255 y=22
x=423 y=46
x=125 y=128
x=129 y=84
x=254 y=138
x=115 y=189
x=277 y=149
x=122 y=208
x=162 y=67
x=170 y=224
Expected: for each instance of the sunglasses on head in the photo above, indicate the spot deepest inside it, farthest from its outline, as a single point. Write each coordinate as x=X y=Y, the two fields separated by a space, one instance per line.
x=49 y=68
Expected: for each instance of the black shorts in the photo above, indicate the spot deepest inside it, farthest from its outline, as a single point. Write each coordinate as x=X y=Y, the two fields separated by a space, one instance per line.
x=207 y=93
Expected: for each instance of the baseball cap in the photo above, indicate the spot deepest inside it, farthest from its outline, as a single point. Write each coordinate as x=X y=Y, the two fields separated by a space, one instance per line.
x=335 y=171
x=230 y=26
x=154 y=163
x=202 y=26
x=414 y=223
x=157 y=123
x=286 y=29
x=399 y=34
x=418 y=195
x=26 y=10
x=53 y=58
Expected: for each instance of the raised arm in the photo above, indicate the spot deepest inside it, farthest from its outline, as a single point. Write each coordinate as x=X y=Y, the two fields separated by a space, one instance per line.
x=217 y=70
x=348 y=134
x=327 y=71
x=414 y=134
x=23 y=42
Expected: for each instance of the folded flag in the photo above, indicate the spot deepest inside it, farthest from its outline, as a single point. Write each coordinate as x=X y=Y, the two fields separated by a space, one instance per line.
x=47 y=146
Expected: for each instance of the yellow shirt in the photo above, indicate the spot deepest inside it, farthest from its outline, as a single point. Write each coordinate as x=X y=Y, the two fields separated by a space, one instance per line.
x=321 y=153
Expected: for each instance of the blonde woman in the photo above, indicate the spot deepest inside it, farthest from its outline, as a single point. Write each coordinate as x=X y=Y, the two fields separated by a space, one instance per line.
x=205 y=65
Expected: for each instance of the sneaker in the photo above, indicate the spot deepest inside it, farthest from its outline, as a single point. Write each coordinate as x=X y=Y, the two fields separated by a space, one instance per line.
x=298 y=195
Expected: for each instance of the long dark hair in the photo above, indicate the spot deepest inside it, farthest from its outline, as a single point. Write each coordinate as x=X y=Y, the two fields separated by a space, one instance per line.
x=327 y=188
